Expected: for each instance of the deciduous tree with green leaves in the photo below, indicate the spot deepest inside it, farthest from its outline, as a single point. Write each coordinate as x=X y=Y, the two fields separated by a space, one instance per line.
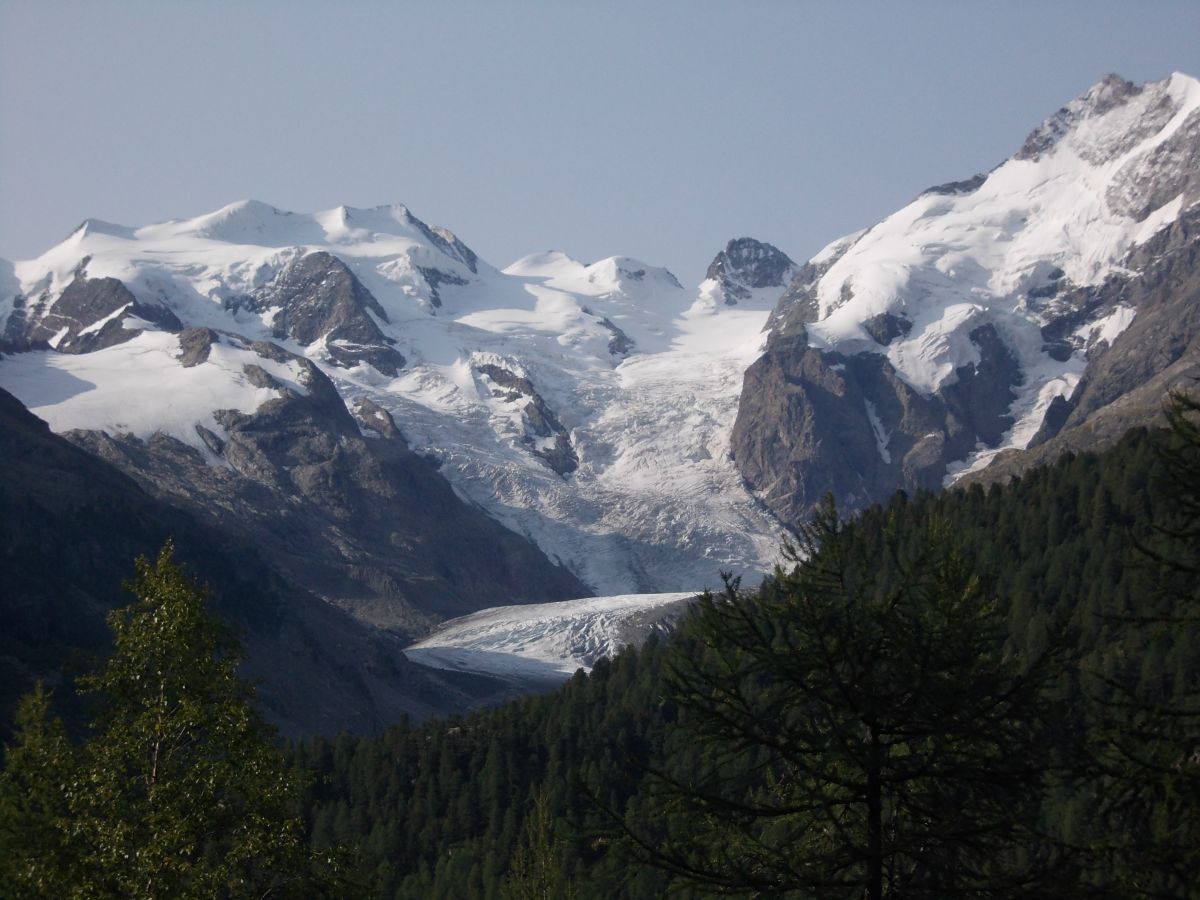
x=178 y=791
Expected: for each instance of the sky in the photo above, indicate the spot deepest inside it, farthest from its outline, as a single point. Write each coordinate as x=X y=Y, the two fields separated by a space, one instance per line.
x=658 y=130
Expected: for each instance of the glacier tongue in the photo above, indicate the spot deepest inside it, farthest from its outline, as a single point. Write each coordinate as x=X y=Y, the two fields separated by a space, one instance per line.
x=547 y=642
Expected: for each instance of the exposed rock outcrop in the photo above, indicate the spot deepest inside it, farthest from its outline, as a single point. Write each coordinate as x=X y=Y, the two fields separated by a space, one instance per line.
x=317 y=297
x=90 y=314
x=746 y=265
x=544 y=434
x=812 y=422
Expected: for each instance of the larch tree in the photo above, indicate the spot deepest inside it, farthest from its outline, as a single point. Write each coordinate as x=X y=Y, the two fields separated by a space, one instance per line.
x=864 y=732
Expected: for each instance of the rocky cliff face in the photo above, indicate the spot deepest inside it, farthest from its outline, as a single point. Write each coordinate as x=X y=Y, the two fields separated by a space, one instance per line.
x=317 y=298
x=998 y=320
x=361 y=521
x=813 y=421
x=747 y=265
x=90 y=314
x=542 y=432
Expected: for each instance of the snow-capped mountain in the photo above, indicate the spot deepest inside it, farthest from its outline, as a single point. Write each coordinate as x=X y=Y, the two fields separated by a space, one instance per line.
x=974 y=320
x=747 y=272
x=298 y=374
x=585 y=406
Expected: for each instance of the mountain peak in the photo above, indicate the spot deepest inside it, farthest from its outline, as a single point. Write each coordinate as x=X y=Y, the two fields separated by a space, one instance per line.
x=747 y=264
x=545 y=263
x=1111 y=116
x=623 y=272
x=99 y=226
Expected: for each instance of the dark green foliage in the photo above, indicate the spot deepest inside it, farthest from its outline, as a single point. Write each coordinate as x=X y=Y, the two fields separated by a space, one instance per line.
x=1146 y=697
x=177 y=792
x=865 y=732
x=536 y=870
x=439 y=810
x=36 y=811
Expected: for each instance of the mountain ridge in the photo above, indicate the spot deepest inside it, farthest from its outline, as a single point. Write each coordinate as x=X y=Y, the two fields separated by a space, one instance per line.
x=908 y=354
x=646 y=437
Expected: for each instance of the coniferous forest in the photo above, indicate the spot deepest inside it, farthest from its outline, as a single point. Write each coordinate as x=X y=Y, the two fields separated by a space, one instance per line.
x=985 y=693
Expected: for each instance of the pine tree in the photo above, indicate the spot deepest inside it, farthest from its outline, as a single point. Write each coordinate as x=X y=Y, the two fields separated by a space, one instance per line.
x=178 y=791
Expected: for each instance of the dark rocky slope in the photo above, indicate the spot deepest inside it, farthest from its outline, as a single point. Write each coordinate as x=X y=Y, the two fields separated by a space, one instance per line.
x=1125 y=384
x=71 y=526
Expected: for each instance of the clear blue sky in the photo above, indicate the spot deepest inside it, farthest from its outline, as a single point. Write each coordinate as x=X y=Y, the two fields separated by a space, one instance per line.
x=656 y=130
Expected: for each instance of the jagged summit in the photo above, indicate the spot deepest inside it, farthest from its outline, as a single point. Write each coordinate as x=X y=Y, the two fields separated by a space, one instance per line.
x=1108 y=93
x=747 y=265
x=1111 y=117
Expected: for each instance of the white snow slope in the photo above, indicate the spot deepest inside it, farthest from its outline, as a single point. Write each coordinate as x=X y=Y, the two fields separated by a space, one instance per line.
x=1103 y=175
x=655 y=502
x=547 y=642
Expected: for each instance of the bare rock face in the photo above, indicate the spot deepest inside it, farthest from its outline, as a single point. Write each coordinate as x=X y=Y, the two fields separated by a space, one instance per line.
x=952 y=188
x=746 y=264
x=195 y=344
x=544 y=434
x=620 y=344
x=885 y=328
x=361 y=521
x=318 y=297
x=90 y=314
x=811 y=422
